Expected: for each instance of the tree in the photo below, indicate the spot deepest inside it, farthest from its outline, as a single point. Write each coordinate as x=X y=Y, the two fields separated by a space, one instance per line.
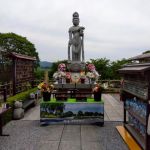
x=80 y=113
x=108 y=69
x=115 y=66
x=39 y=73
x=12 y=42
x=148 y=51
x=102 y=66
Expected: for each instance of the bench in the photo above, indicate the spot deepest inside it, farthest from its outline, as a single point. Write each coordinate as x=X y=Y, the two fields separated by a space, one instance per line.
x=27 y=103
x=31 y=101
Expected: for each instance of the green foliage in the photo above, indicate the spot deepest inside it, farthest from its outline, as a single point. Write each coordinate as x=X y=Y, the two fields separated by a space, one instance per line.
x=148 y=51
x=115 y=66
x=108 y=69
x=102 y=66
x=21 y=96
x=39 y=73
x=12 y=42
x=8 y=116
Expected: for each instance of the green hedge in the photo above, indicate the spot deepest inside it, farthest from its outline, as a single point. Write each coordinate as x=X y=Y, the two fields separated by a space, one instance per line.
x=8 y=116
x=20 y=96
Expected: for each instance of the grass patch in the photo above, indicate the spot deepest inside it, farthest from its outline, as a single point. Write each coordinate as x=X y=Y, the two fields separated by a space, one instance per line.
x=73 y=100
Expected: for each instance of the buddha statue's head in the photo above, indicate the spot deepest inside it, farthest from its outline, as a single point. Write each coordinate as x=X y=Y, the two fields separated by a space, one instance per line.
x=75 y=19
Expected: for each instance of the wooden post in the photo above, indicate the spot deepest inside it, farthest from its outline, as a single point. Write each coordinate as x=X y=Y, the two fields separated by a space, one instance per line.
x=14 y=76
x=33 y=79
x=46 y=78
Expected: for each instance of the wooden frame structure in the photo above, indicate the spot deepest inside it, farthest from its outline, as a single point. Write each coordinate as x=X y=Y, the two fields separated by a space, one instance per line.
x=18 y=69
x=23 y=70
x=136 y=96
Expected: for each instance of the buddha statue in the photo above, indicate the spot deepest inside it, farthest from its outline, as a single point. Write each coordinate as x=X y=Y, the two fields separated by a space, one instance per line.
x=76 y=40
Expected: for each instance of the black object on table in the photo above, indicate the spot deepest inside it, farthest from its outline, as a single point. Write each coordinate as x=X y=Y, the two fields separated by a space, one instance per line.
x=2 y=113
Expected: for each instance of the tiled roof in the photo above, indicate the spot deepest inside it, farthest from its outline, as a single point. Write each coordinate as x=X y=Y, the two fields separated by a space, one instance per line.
x=142 y=56
x=17 y=55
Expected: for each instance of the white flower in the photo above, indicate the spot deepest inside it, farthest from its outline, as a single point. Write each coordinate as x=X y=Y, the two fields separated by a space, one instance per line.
x=90 y=75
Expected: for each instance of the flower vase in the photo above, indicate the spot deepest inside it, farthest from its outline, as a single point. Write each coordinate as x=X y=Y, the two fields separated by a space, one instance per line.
x=60 y=80
x=46 y=96
x=67 y=80
x=92 y=80
x=82 y=80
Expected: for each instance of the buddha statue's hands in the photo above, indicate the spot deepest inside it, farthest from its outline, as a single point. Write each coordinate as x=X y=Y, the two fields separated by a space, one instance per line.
x=81 y=29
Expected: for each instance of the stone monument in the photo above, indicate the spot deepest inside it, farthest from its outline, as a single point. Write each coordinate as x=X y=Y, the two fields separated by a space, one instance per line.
x=75 y=73
x=76 y=40
x=74 y=81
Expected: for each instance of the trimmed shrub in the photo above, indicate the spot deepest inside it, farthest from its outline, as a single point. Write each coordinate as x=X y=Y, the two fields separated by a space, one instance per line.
x=20 y=96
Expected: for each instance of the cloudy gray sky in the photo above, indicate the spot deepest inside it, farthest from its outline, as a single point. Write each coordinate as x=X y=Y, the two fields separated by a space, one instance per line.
x=114 y=29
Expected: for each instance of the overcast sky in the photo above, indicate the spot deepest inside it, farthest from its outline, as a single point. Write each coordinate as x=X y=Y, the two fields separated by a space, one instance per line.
x=114 y=29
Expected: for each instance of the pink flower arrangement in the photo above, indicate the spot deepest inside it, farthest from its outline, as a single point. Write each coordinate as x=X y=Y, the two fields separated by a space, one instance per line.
x=91 y=67
x=62 y=67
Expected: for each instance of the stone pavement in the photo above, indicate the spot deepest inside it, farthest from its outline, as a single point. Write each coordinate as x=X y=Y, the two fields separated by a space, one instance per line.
x=113 y=109
x=29 y=135
x=33 y=113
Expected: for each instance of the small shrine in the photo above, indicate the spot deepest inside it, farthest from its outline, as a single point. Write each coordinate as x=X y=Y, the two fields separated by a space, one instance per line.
x=135 y=93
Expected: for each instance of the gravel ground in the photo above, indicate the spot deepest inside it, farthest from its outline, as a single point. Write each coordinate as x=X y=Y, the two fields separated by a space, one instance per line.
x=29 y=135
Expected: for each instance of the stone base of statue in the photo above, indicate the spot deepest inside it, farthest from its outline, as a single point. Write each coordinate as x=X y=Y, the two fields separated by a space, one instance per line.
x=76 y=66
x=77 y=81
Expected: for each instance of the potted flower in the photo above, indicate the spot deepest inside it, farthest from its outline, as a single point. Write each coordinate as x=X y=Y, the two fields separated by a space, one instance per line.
x=46 y=91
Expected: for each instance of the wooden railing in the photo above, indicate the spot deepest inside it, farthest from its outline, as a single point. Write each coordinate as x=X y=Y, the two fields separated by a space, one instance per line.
x=110 y=86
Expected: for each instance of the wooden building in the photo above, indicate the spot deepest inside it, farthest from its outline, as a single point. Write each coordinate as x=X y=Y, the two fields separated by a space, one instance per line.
x=23 y=71
x=136 y=97
x=17 y=69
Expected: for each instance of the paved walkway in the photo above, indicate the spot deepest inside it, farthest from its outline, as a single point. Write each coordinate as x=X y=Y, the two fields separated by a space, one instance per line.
x=113 y=109
x=27 y=134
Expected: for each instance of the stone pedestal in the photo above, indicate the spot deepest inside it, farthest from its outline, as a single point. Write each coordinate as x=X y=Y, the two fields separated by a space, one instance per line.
x=76 y=66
